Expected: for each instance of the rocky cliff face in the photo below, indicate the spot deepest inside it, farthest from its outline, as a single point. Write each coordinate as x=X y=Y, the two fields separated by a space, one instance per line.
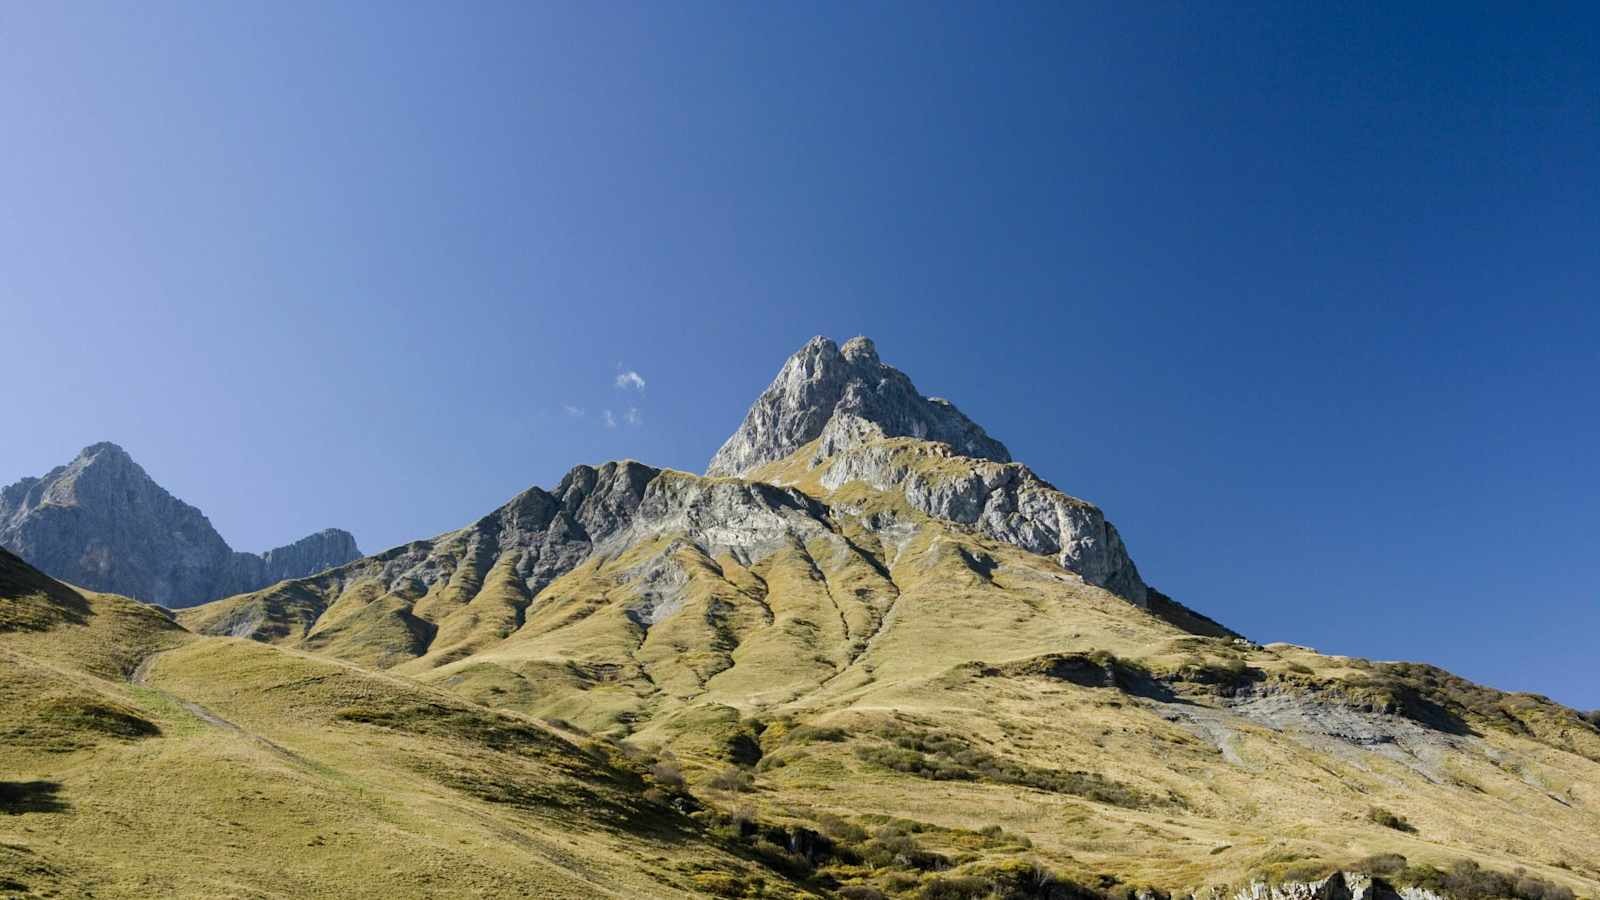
x=863 y=421
x=313 y=553
x=837 y=414
x=457 y=592
x=1006 y=501
x=100 y=522
x=846 y=396
x=1338 y=886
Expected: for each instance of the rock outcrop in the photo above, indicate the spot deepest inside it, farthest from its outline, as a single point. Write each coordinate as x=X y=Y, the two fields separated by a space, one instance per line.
x=501 y=562
x=834 y=415
x=865 y=421
x=846 y=396
x=102 y=523
x=1338 y=886
x=1006 y=501
x=313 y=553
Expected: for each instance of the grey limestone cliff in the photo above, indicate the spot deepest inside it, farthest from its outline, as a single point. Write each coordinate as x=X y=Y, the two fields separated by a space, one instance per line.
x=102 y=523
x=844 y=395
x=855 y=408
x=1006 y=501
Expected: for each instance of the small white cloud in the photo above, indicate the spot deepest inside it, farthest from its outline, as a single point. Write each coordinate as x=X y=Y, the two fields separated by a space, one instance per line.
x=630 y=381
x=574 y=411
x=633 y=417
x=609 y=419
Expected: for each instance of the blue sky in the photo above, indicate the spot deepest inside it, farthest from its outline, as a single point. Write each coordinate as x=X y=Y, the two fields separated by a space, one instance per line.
x=1307 y=299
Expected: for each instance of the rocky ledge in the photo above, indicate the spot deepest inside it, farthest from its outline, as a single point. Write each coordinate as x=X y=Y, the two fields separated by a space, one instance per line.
x=1005 y=501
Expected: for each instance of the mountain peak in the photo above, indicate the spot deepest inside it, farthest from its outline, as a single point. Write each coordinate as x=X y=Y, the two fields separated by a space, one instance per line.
x=845 y=395
x=104 y=456
x=103 y=523
x=860 y=349
x=103 y=448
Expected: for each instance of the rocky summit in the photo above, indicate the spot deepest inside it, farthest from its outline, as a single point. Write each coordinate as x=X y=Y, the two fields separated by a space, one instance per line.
x=102 y=523
x=843 y=397
x=867 y=655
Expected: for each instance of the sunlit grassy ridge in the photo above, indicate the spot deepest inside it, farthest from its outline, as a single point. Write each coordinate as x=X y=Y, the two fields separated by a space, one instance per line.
x=228 y=768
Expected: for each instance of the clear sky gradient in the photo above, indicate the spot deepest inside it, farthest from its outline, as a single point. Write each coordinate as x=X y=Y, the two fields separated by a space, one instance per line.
x=1307 y=296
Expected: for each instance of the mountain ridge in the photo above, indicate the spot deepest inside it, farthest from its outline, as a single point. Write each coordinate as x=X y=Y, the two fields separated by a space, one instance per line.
x=427 y=592
x=875 y=666
x=101 y=522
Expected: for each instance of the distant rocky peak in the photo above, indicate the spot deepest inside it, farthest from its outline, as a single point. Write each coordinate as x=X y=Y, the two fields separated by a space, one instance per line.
x=103 y=523
x=846 y=396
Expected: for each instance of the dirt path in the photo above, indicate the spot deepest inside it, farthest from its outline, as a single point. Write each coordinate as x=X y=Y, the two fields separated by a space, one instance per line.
x=141 y=677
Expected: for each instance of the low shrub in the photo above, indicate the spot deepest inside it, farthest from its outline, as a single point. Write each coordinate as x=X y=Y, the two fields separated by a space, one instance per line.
x=1016 y=880
x=891 y=847
x=1379 y=816
x=963 y=887
x=667 y=774
x=1384 y=864
x=1000 y=835
x=1466 y=880
x=945 y=757
x=812 y=734
x=733 y=781
x=718 y=884
x=839 y=829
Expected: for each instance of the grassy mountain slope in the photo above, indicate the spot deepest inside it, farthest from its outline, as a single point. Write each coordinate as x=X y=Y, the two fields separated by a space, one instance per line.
x=140 y=760
x=836 y=658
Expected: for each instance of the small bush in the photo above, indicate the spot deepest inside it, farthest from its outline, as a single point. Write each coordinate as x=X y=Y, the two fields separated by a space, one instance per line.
x=1466 y=880
x=719 y=884
x=861 y=892
x=1382 y=864
x=999 y=835
x=964 y=887
x=899 y=882
x=811 y=734
x=840 y=830
x=1015 y=880
x=892 y=847
x=733 y=781
x=1387 y=819
x=780 y=858
x=667 y=774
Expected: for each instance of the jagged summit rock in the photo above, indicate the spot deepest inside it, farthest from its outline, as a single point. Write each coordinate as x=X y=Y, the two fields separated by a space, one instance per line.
x=846 y=396
x=870 y=425
x=102 y=523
